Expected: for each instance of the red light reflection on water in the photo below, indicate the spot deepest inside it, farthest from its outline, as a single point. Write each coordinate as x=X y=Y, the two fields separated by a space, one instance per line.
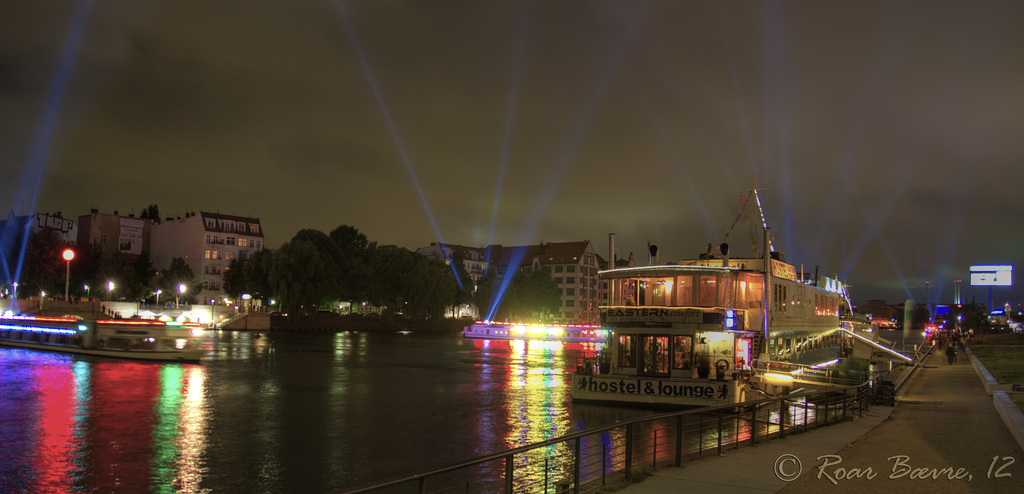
x=122 y=421
x=54 y=451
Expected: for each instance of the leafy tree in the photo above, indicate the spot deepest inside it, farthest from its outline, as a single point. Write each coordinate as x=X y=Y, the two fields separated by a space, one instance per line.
x=485 y=287
x=539 y=295
x=86 y=271
x=249 y=276
x=151 y=212
x=257 y=274
x=234 y=278
x=131 y=275
x=354 y=264
x=529 y=296
x=466 y=294
x=44 y=267
x=389 y=265
x=304 y=272
x=179 y=273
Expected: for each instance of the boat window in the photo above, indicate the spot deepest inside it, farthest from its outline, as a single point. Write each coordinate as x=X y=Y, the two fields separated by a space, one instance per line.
x=661 y=291
x=629 y=292
x=682 y=350
x=684 y=291
x=627 y=351
x=654 y=355
x=752 y=288
x=708 y=291
x=726 y=290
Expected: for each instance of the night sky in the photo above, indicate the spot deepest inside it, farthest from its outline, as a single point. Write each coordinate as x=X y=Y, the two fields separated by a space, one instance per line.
x=888 y=136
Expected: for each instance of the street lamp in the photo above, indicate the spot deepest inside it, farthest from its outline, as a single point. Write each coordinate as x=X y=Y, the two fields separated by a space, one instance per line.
x=158 y=292
x=87 y=293
x=68 y=255
x=110 y=288
x=181 y=292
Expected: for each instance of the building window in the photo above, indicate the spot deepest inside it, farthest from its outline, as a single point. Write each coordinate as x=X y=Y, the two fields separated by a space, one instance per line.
x=243 y=242
x=571 y=280
x=558 y=279
x=229 y=240
x=229 y=226
x=570 y=303
x=256 y=244
x=254 y=228
x=228 y=256
x=208 y=238
x=570 y=291
x=103 y=238
x=206 y=255
x=210 y=223
x=558 y=269
x=570 y=269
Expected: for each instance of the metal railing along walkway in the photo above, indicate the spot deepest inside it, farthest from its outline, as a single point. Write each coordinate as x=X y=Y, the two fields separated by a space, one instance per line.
x=587 y=461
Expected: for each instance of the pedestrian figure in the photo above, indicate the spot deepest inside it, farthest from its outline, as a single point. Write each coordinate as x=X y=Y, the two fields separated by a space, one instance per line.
x=950 y=354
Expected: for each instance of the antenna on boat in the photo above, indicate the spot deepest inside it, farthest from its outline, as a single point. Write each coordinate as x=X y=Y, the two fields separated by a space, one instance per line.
x=764 y=220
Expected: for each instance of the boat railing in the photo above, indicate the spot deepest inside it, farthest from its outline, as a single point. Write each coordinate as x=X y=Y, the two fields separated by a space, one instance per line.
x=614 y=455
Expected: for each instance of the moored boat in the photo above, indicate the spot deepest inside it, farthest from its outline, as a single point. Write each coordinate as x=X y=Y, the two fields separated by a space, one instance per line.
x=713 y=330
x=117 y=338
x=582 y=333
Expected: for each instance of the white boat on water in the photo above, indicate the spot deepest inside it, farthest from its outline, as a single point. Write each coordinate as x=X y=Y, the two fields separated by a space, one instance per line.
x=713 y=330
x=577 y=333
x=118 y=338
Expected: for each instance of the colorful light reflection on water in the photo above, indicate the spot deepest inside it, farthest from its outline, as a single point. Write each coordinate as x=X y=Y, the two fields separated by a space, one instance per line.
x=54 y=441
x=314 y=412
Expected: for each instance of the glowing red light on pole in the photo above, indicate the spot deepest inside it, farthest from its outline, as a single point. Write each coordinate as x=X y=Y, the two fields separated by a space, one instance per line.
x=68 y=255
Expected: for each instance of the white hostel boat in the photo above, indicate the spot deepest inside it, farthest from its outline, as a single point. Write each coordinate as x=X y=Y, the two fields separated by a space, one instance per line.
x=694 y=333
x=576 y=333
x=118 y=338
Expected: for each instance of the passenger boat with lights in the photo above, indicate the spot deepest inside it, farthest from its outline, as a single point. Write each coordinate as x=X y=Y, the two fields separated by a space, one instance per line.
x=714 y=330
x=576 y=333
x=119 y=338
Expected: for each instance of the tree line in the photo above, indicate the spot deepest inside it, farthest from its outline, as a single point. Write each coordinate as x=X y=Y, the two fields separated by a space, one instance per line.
x=311 y=272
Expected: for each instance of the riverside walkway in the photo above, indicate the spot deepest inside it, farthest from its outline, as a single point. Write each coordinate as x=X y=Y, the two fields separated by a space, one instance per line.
x=943 y=425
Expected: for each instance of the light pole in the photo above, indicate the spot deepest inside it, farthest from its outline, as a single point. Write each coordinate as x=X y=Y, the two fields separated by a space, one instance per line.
x=158 y=292
x=68 y=255
x=181 y=292
x=110 y=288
x=927 y=304
x=88 y=294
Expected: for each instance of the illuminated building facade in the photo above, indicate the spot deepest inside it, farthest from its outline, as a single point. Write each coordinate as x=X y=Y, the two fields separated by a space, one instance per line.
x=207 y=242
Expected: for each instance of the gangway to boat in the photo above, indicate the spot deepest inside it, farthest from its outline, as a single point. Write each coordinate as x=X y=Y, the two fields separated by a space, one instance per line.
x=876 y=346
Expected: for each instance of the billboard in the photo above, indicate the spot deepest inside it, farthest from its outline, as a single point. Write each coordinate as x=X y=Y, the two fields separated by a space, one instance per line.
x=986 y=275
x=130 y=238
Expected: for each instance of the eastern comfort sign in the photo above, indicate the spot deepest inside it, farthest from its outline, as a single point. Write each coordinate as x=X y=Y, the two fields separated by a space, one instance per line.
x=646 y=390
x=659 y=314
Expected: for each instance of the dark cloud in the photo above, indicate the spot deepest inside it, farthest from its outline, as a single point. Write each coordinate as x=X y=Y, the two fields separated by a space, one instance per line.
x=886 y=135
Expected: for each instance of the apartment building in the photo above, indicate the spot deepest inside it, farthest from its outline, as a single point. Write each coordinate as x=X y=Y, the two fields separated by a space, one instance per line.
x=207 y=242
x=474 y=259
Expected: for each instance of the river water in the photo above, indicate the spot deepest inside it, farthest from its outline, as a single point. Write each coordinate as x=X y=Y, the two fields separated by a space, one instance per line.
x=283 y=412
